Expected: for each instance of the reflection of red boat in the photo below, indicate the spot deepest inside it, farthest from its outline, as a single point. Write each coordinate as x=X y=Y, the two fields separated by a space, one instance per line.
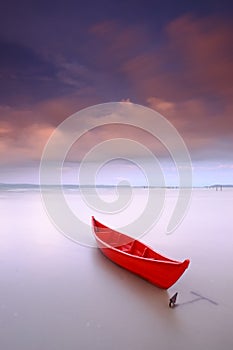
x=138 y=258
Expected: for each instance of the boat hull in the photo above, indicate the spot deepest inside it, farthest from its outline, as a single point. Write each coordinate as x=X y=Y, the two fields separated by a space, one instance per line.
x=137 y=257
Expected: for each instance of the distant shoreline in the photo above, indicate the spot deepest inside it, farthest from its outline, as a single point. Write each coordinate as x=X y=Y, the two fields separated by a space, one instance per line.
x=28 y=186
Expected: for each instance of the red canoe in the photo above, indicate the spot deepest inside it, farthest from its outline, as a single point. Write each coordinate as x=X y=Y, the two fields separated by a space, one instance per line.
x=136 y=257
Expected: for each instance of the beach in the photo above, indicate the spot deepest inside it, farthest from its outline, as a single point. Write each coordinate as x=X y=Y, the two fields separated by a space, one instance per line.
x=57 y=294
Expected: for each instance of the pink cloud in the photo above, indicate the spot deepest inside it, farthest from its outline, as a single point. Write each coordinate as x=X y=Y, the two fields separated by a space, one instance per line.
x=117 y=42
x=189 y=81
x=206 y=47
x=104 y=28
x=206 y=135
x=25 y=131
x=195 y=59
x=193 y=64
x=27 y=145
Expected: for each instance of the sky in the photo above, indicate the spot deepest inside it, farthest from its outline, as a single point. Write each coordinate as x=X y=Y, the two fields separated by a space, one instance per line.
x=58 y=57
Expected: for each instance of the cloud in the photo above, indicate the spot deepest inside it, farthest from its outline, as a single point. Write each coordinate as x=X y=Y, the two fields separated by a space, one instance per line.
x=186 y=76
x=207 y=134
x=25 y=131
x=205 y=47
x=25 y=76
x=28 y=78
x=188 y=79
x=194 y=60
x=196 y=117
x=116 y=42
x=26 y=146
x=25 y=138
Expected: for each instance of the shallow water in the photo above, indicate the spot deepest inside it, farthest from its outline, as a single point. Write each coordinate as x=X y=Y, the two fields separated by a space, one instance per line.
x=57 y=294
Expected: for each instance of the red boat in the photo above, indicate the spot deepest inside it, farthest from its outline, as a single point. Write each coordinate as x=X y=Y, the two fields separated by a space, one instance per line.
x=137 y=257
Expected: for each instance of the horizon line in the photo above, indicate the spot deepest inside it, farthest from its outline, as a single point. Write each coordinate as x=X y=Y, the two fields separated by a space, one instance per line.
x=76 y=186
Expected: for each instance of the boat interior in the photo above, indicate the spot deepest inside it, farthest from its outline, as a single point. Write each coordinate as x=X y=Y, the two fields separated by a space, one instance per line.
x=127 y=244
x=139 y=249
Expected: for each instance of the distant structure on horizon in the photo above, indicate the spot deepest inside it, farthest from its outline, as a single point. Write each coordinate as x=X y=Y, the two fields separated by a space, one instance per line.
x=219 y=187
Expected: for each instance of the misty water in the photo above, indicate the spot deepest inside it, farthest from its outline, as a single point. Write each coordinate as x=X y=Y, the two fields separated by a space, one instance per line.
x=58 y=294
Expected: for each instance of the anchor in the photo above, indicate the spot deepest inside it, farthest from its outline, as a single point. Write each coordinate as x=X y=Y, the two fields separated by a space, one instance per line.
x=172 y=300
